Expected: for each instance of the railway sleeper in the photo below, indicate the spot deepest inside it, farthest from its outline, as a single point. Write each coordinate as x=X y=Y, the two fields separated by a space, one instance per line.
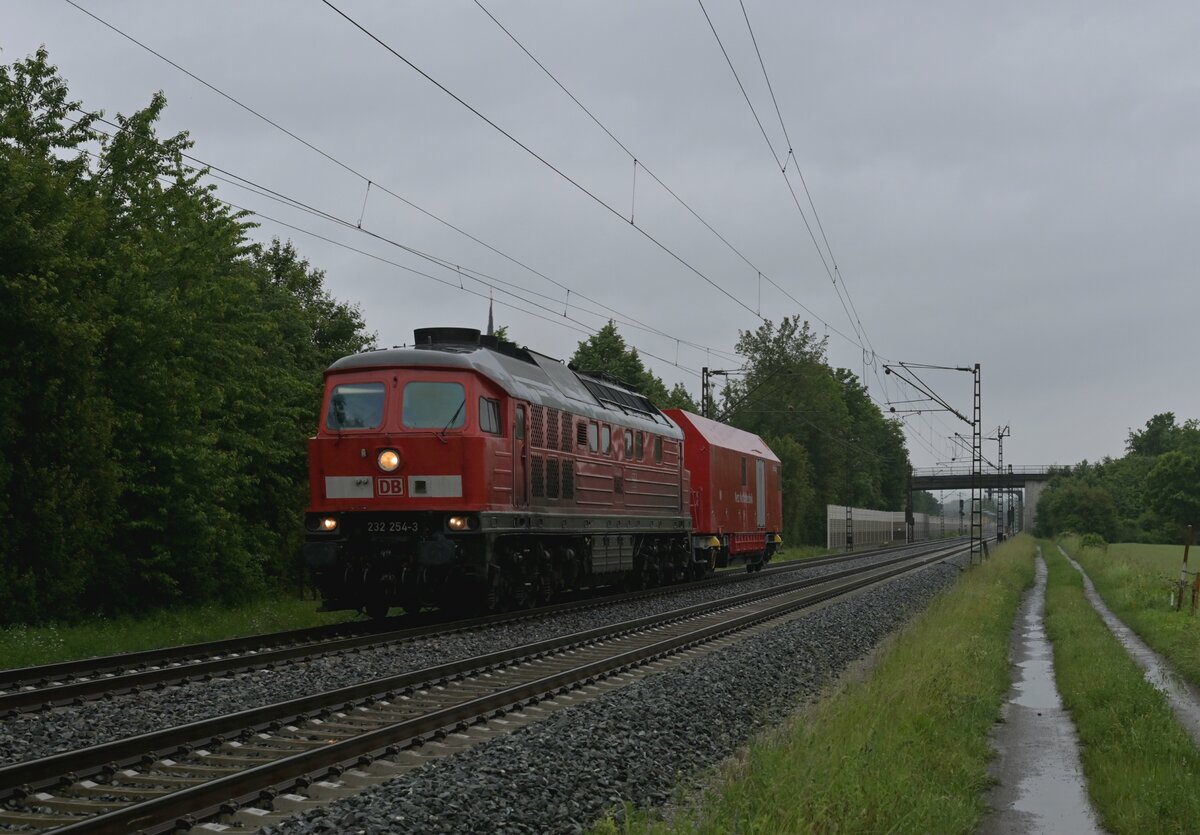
x=30 y=820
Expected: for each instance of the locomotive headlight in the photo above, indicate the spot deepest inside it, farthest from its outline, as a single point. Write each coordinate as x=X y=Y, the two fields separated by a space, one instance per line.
x=388 y=460
x=328 y=524
x=458 y=523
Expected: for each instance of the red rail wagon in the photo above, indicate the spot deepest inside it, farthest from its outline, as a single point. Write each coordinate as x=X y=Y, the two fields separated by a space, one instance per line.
x=736 y=499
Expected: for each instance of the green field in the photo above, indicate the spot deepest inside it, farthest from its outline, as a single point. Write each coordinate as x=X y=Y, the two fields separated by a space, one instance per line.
x=904 y=750
x=1135 y=581
x=1143 y=770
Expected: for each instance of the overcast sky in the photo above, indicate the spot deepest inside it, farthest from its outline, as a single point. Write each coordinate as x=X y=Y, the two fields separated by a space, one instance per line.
x=1010 y=184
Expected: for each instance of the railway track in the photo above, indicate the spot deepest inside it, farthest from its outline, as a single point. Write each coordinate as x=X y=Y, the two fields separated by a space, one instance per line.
x=73 y=682
x=250 y=767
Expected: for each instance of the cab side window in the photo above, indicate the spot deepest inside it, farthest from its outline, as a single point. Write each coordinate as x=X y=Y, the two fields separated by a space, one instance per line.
x=606 y=439
x=489 y=416
x=638 y=438
x=593 y=437
x=628 y=443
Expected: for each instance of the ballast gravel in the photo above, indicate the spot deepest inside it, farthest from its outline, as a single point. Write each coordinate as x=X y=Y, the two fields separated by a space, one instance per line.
x=31 y=735
x=637 y=744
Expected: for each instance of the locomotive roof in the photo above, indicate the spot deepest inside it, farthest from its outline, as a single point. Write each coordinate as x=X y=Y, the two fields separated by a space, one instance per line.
x=722 y=435
x=527 y=375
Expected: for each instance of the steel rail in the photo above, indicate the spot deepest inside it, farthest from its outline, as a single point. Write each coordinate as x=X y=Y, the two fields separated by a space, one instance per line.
x=174 y=665
x=24 y=779
x=165 y=812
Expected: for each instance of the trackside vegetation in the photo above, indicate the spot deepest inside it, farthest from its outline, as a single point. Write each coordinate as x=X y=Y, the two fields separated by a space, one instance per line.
x=905 y=750
x=1143 y=771
x=24 y=646
x=1135 y=582
x=160 y=370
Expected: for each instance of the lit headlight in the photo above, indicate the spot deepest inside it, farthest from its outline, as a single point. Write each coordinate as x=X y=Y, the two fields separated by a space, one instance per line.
x=458 y=523
x=328 y=523
x=388 y=460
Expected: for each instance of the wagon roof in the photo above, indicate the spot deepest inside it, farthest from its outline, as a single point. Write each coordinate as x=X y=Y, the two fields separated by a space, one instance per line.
x=722 y=435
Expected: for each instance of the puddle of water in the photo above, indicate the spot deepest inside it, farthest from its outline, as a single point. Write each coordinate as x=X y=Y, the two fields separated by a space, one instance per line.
x=1040 y=781
x=1183 y=697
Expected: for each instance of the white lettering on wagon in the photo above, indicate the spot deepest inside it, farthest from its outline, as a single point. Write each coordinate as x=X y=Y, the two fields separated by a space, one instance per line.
x=743 y=498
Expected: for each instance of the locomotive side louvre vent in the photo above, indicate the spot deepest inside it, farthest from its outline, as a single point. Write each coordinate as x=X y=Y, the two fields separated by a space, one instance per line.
x=618 y=484
x=565 y=434
x=538 y=414
x=537 y=476
x=552 y=480
x=568 y=478
x=551 y=429
x=581 y=430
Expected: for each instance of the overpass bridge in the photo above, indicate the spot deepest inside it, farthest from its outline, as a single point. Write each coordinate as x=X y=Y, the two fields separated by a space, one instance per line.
x=1030 y=479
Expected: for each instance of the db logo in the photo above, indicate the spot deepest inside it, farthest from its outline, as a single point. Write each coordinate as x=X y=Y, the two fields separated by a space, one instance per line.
x=389 y=486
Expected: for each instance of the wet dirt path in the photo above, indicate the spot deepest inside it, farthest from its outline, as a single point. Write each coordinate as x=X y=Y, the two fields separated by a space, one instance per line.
x=1040 y=783
x=1184 y=698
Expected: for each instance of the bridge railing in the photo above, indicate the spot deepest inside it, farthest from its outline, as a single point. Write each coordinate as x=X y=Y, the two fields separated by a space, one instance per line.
x=965 y=470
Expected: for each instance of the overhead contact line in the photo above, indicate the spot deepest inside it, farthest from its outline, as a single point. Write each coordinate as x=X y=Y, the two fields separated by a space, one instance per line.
x=513 y=139
x=625 y=319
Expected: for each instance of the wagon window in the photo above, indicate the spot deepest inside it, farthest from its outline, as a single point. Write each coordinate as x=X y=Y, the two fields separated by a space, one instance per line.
x=593 y=437
x=356 y=406
x=489 y=416
x=434 y=406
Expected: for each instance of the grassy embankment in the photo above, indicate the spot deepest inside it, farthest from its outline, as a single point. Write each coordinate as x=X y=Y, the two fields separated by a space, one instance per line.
x=21 y=646
x=1143 y=770
x=1135 y=582
x=904 y=750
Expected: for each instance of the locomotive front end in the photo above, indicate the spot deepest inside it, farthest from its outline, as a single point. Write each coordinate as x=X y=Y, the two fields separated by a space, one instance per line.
x=395 y=499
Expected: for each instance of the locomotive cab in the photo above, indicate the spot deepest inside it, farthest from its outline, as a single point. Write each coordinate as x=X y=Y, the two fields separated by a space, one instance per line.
x=394 y=498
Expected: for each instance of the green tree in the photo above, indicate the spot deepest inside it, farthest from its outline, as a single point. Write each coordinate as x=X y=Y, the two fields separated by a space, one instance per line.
x=1074 y=507
x=606 y=351
x=58 y=483
x=1158 y=436
x=1173 y=489
x=853 y=454
x=160 y=375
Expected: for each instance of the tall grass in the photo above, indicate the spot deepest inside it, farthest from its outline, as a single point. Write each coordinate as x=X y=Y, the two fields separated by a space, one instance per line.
x=905 y=750
x=22 y=646
x=1135 y=581
x=1142 y=769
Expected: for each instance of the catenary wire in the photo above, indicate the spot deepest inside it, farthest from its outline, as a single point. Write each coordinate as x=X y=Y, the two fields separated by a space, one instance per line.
x=641 y=164
x=623 y=317
x=579 y=186
x=578 y=326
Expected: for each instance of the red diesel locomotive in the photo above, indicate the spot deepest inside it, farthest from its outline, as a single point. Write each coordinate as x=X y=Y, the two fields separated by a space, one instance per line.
x=468 y=473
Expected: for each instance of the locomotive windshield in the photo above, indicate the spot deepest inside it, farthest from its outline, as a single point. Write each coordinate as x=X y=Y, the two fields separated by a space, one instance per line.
x=356 y=406
x=434 y=406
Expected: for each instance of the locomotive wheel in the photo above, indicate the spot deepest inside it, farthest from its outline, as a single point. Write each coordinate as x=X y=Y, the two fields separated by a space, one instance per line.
x=377 y=611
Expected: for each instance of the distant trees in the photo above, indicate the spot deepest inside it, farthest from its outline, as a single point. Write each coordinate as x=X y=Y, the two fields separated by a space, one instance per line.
x=1149 y=495
x=160 y=371
x=835 y=445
